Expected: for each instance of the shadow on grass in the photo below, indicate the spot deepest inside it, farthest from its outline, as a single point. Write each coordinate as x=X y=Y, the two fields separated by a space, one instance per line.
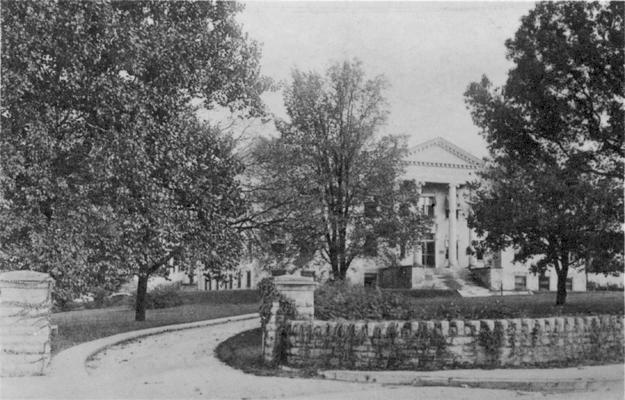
x=244 y=352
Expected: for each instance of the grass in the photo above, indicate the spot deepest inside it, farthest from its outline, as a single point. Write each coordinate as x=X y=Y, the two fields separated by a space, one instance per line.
x=423 y=293
x=75 y=327
x=244 y=352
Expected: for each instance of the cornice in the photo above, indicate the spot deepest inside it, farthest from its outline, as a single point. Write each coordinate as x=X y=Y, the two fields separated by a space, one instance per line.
x=472 y=161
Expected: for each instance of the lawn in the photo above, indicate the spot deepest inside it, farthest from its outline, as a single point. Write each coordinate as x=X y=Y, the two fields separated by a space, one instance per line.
x=76 y=327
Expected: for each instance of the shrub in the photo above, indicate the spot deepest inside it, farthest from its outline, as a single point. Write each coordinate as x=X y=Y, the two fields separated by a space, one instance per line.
x=164 y=296
x=161 y=296
x=342 y=301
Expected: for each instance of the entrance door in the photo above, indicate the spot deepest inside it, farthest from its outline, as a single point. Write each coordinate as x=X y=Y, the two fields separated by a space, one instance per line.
x=428 y=257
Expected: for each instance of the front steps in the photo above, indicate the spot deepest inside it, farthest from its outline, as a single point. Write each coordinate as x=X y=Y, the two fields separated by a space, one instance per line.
x=458 y=280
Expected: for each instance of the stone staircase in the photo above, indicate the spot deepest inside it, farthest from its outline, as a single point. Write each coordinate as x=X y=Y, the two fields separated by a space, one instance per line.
x=448 y=279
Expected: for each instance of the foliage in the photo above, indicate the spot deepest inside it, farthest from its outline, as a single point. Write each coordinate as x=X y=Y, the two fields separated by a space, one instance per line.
x=163 y=296
x=491 y=341
x=269 y=294
x=341 y=301
x=243 y=351
x=555 y=134
x=591 y=286
x=327 y=184
x=105 y=170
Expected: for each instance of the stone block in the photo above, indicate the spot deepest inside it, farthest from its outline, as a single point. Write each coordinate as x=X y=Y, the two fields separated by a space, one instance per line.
x=569 y=324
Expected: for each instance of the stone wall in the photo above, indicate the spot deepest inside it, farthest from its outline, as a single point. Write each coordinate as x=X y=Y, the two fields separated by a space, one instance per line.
x=25 y=306
x=425 y=345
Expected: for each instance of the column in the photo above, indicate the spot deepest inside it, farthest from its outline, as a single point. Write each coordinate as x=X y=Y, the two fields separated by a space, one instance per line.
x=453 y=256
x=25 y=307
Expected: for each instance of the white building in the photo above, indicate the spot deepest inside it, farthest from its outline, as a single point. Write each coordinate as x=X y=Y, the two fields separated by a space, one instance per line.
x=442 y=171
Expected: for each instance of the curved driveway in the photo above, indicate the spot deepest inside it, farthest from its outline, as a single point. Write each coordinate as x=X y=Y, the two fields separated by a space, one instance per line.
x=181 y=365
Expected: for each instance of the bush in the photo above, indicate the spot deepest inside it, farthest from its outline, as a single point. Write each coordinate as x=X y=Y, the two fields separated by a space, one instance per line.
x=161 y=296
x=342 y=301
x=592 y=286
x=164 y=296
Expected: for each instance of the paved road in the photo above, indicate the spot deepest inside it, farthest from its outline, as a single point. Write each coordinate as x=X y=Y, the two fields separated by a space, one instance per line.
x=181 y=365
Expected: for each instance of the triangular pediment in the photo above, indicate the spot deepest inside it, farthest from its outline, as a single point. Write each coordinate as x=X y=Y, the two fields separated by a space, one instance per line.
x=439 y=152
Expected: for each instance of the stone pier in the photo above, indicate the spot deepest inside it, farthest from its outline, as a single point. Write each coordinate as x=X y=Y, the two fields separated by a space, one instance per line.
x=25 y=307
x=300 y=290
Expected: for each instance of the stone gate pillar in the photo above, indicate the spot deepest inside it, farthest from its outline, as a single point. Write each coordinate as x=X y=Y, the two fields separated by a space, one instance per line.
x=299 y=289
x=25 y=306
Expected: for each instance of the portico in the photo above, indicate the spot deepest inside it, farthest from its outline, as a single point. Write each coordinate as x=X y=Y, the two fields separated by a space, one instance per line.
x=441 y=171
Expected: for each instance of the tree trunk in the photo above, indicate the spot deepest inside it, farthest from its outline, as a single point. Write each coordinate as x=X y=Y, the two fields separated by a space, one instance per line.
x=561 y=295
x=142 y=290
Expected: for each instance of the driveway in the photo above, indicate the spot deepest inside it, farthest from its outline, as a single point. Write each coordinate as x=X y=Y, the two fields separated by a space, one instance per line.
x=181 y=365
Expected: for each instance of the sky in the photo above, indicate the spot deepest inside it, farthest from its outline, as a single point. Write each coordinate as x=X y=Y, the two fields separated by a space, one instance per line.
x=428 y=51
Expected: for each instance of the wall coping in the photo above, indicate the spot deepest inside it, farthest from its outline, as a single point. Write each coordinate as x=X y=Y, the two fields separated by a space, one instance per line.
x=574 y=319
x=20 y=276
x=294 y=280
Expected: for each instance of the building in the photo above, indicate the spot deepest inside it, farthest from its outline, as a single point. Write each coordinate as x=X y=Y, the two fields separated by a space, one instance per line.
x=442 y=171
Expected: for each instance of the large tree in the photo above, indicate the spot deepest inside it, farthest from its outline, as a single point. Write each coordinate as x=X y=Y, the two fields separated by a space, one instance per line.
x=104 y=166
x=328 y=183
x=555 y=133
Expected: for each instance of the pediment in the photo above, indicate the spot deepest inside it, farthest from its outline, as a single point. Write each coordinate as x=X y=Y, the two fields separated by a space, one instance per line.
x=441 y=153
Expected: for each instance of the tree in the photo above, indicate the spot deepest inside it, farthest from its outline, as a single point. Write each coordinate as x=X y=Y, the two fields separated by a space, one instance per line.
x=325 y=183
x=104 y=162
x=555 y=134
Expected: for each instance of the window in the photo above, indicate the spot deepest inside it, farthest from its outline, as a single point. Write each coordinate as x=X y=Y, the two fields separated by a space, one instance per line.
x=230 y=282
x=543 y=282
x=371 y=279
x=428 y=205
x=249 y=279
x=520 y=282
x=428 y=252
x=569 y=284
x=239 y=280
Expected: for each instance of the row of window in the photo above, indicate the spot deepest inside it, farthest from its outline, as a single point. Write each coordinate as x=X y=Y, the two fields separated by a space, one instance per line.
x=428 y=207
x=228 y=282
x=520 y=282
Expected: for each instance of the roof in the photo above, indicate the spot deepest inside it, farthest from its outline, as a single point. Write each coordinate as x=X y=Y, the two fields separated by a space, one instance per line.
x=472 y=162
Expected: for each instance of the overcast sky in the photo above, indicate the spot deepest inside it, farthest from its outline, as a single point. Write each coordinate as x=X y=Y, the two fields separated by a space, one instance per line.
x=428 y=51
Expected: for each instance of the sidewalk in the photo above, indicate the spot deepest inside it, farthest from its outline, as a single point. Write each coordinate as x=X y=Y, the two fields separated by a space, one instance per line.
x=549 y=380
